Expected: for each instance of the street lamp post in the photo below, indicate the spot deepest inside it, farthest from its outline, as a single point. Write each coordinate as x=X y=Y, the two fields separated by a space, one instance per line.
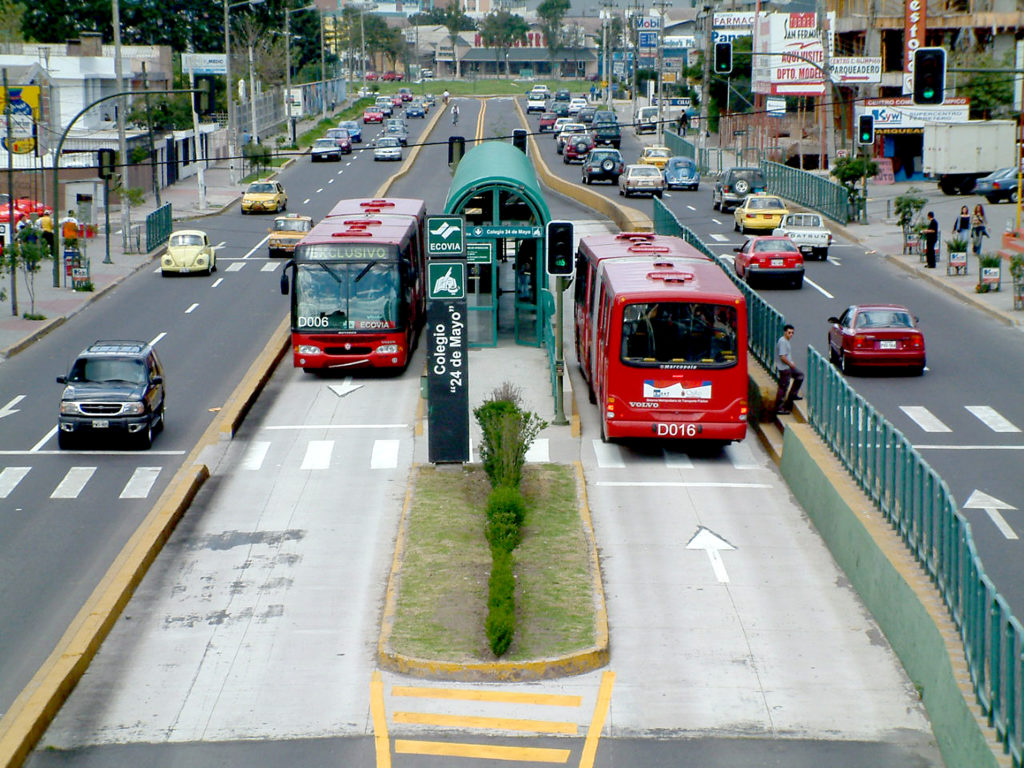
x=288 y=67
x=232 y=147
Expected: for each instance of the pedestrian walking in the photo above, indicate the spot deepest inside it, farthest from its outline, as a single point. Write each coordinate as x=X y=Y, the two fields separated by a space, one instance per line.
x=791 y=378
x=962 y=223
x=931 y=239
x=979 y=228
x=455 y=114
x=46 y=225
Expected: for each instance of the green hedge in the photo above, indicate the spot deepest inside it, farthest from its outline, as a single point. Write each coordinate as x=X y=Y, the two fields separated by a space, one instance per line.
x=501 y=603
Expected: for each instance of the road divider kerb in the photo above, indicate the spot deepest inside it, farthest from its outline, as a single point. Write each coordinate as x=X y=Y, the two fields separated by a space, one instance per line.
x=584 y=660
x=35 y=707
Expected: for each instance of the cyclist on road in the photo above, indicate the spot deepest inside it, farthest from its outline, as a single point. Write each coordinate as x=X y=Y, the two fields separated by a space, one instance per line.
x=455 y=114
x=445 y=96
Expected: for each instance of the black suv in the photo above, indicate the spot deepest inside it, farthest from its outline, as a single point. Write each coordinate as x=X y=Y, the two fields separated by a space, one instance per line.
x=734 y=185
x=603 y=164
x=114 y=387
x=607 y=133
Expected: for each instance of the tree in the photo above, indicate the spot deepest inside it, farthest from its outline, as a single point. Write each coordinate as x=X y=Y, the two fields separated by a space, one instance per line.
x=850 y=171
x=551 y=14
x=11 y=12
x=501 y=30
x=455 y=21
x=991 y=93
x=27 y=253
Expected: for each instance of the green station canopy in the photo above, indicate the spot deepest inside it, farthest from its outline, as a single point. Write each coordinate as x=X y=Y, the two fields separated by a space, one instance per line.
x=496 y=165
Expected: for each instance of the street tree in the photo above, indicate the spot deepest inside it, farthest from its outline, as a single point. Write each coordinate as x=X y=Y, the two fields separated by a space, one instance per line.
x=551 y=14
x=990 y=93
x=26 y=255
x=501 y=30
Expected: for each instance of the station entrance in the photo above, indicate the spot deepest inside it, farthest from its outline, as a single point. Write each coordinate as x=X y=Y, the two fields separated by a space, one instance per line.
x=496 y=189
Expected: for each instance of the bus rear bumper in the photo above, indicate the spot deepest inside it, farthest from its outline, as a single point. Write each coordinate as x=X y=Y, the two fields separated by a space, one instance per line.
x=677 y=430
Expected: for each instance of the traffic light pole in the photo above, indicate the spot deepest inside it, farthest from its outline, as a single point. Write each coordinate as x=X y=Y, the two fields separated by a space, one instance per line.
x=559 y=418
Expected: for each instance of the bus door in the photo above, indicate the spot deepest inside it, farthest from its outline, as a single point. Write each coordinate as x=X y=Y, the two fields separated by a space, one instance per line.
x=527 y=296
x=482 y=292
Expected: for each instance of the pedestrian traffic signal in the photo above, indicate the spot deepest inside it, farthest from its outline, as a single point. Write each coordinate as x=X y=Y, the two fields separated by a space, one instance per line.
x=558 y=249
x=723 y=58
x=456 y=149
x=866 y=129
x=929 y=75
x=519 y=139
x=106 y=164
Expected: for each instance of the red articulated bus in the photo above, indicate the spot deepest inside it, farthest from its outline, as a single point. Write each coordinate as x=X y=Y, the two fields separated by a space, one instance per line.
x=661 y=338
x=357 y=287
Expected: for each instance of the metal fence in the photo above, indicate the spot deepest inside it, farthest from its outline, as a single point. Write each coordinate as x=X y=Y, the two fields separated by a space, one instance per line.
x=158 y=227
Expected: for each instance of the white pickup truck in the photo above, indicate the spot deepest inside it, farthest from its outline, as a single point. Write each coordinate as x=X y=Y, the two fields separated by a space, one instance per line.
x=536 y=101
x=808 y=233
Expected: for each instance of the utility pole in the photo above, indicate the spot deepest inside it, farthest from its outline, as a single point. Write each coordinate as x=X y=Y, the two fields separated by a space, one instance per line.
x=200 y=156
x=122 y=139
x=152 y=142
x=606 y=13
x=635 y=37
x=828 y=115
x=705 y=83
x=661 y=5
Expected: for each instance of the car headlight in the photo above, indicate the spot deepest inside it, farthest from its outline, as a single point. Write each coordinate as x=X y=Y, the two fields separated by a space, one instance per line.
x=387 y=349
x=134 y=408
x=308 y=349
x=69 y=408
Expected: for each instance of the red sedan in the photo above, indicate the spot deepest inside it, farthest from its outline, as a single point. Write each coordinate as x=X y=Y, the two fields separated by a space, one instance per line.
x=547 y=122
x=876 y=335
x=577 y=148
x=373 y=115
x=769 y=257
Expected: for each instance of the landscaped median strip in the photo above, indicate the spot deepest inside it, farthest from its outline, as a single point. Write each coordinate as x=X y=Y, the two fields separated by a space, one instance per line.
x=36 y=706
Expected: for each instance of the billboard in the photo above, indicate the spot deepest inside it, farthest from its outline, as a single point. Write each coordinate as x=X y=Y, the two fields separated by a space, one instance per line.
x=21 y=102
x=791 y=54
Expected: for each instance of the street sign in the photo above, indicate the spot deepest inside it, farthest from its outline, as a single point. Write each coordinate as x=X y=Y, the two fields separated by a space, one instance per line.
x=648 y=22
x=648 y=39
x=775 y=106
x=446 y=236
x=204 y=63
x=447 y=362
x=517 y=231
x=446 y=280
x=856 y=69
x=479 y=253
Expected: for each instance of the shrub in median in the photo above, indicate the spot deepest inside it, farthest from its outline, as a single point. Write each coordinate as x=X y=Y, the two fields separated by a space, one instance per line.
x=508 y=432
x=501 y=607
x=506 y=511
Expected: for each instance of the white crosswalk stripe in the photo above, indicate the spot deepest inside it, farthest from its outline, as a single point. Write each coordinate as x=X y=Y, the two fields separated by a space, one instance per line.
x=609 y=456
x=992 y=419
x=73 y=483
x=255 y=455
x=9 y=479
x=141 y=483
x=235 y=266
x=385 y=454
x=318 y=454
x=924 y=418
x=270 y=266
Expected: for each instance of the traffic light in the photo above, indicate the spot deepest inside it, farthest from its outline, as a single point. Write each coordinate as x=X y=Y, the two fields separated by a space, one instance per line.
x=519 y=139
x=202 y=96
x=558 y=249
x=106 y=163
x=929 y=75
x=456 y=149
x=723 y=58
x=866 y=129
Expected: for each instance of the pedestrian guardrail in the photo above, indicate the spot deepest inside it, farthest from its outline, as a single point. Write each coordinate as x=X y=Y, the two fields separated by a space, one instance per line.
x=708 y=159
x=158 y=227
x=764 y=322
x=809 y=190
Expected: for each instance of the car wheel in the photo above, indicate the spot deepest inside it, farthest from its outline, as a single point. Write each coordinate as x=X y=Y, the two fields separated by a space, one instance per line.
x=917 y=370
x=735 y=226
x=65 y=440
x=144 y=438
x=586 y=179
x=845 y=366
x=798 y=282
x=622 y=192
x=565 y=159
x=1013 y=196
x=608 y=166
x=715 y=205
x=833 y=357
x=164 y=273
x=163 y=417
x=658 y=195
x=284 y=206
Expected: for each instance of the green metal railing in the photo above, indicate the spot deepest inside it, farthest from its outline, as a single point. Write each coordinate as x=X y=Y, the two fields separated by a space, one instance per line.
x=809 y=190
x=708 y=159
x=764 y=322
x=158 y=227
x=918 y=504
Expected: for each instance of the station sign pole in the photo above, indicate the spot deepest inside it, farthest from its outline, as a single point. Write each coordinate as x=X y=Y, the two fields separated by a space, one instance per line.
x=447 y=341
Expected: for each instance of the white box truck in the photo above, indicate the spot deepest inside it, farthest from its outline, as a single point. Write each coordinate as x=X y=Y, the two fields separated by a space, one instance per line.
x=958 y=154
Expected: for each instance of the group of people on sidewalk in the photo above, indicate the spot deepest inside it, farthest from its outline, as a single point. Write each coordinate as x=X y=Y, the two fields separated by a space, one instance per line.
x=967 y=224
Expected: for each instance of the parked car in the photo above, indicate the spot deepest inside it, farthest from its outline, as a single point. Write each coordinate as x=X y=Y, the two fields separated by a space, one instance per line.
x=427 y=74
x=733 y=186
x=355 y=131
x=656 y=156
x=682 y=173
x=547 y=122
x=112 y=388
x=264 y=197
x=808 y=232
x=371 y=76
x=373 y=115
x=641 y=180
x=324 y=149
x=766 y=256
x=341 y=138
x=577 y=148
x=391 y=75
x=876 y=335
x=188 y=251
x=416 y=109
x=603 y=164
x=568 y=130
x=760 y=212
x=387 y=148
x=999 y=186
x=286 y=233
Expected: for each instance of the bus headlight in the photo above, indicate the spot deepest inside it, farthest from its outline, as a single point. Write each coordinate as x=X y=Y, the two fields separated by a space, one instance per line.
x=387 y=349
x=308 y=349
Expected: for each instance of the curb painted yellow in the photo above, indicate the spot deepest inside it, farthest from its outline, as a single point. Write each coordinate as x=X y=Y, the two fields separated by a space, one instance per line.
x=585 y=660
x=627 y=219
x=382 y=191
x=36 y=706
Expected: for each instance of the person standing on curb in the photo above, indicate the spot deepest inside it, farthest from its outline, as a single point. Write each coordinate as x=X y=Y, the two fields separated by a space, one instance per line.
x=931 y=238
x=979 y=228
x=791 y=378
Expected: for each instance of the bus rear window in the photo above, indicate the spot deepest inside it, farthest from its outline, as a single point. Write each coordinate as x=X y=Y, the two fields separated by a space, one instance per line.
x=674 y=333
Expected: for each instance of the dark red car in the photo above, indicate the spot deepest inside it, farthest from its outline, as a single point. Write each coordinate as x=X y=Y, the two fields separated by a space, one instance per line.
x=547 y=121
x=392 y=75
x=371 y=76
x=405 y=93
x=341 y=138
x=373 y=115
x=577 y=148
x=770 y=257
x=876 y=335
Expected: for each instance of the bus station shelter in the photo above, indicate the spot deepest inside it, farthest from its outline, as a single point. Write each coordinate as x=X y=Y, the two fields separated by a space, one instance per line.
x=496 y=189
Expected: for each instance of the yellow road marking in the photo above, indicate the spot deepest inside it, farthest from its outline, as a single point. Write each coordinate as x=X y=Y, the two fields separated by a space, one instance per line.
x=380 y=721
x=481 y=751
x=480 y=120
x=494 y=723
x=604 y=697
x=544 y=699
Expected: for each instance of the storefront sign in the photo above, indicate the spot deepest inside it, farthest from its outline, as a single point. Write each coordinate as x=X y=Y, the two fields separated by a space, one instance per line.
x=901 y=115
x=856 y=69
x=915 y=17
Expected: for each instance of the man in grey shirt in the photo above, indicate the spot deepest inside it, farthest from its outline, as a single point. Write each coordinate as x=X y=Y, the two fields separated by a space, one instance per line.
x=790 y=377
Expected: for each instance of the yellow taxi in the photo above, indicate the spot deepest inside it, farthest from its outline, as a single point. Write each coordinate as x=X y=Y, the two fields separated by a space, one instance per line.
x=286 y=233
x=264 y=197
x=760 y=212
x=656 y=156
x=188 y=250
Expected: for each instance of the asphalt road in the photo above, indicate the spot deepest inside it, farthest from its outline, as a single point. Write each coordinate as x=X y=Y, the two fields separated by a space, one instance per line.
x=252 y=640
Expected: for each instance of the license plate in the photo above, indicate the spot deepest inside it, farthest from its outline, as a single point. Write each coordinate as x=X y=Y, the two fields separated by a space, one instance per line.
x=184 y=270
x=100 y=423
x=887 y=345
x=778 y=262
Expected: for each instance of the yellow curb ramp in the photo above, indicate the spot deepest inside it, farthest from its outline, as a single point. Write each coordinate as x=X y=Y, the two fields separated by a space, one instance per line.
x=36 y=706
x=584 y=660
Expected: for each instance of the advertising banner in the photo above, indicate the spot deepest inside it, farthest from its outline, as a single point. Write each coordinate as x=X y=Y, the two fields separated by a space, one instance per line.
x=791 y=54
x=22 y=104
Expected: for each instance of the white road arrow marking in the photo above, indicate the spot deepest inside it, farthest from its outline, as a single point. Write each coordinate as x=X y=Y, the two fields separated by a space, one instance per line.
x=713 y=545
x=345 y=388
x=8 y=409
x=992 y=505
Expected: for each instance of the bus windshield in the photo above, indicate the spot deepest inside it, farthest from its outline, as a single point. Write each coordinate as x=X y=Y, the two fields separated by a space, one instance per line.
x=673 y=333
x=346 y=296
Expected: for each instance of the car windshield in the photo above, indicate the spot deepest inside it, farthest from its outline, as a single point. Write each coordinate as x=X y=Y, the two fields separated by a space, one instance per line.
x=775 y=246
x=292 y=225
x=672 y=332
x=326 y=143
x=804 y=220
x=680 y=163
x=656 y=153
x=347 y=296
x=179 y=240
x=883 y=318
x=387 y=141
x=261 y=189
x=645 y=171
x=99 y=371
x=765 y=204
